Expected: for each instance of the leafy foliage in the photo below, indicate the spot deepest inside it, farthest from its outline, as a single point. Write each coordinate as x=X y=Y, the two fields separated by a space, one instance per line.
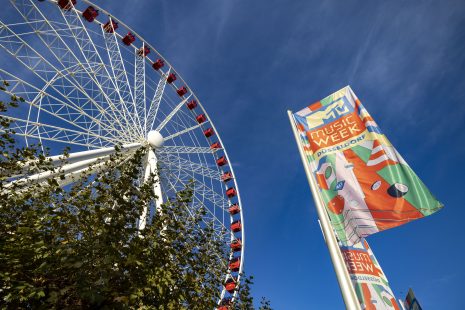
x=79 y=246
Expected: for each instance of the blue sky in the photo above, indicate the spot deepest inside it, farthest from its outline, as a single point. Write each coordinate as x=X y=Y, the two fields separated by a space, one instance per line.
x=250 y=61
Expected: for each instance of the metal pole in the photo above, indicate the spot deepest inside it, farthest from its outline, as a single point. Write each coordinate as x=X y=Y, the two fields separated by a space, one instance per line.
x=345 y=284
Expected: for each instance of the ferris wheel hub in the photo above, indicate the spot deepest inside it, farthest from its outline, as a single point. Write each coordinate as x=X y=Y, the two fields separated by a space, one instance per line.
x=155 y=139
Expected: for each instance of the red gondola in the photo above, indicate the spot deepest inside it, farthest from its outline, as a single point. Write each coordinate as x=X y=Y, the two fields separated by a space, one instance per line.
x=171 y=78
x=208 y=132
x=158 y=64
x=235 y=264
x=143 y=51
x=236 y=245
x=231 y=192
x=110 y=26
x=234 y=209
x=129 y=39
x=225 y=304
x=201 y=118
x=90 y=14
x=221 y=161
x=182 y=91
x=66 y=4
x=192 y=104
x=230 y=286
x=227 y=176
x=236 y=226
x=215 y=145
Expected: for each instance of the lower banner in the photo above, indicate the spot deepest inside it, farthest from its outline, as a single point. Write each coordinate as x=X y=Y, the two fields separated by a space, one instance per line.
x=370 y=283
x=411 y=302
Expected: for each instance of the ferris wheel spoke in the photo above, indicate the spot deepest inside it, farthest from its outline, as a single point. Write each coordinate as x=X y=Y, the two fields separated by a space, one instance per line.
x=177 y=134
x=139 y=88
x=155 y=103
x=117 y=65
x=92 y=56
x=186 y=150
x=172 y=113
x=40 y=131
x=176 y=162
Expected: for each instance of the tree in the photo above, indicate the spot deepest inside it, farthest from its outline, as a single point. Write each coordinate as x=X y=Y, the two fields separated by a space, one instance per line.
x=80 y=247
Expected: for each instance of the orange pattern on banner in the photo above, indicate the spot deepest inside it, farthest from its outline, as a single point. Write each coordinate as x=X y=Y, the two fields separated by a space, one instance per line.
x=394 y=303
x=359 y=262
x=336 y=132
x=320 y=178
x=336 y=205
x=399 y=210
x=367 y=298
x=315 y=106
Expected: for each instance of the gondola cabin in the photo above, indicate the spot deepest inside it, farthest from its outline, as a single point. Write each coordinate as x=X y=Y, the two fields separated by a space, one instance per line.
x=129 y=39
x=66 y=4
x=231 y=192
x=192 y=104
x=182 y=91
x=143 y=51
x=221 y=161
x=110 y=26
x=230 y=286
x=234 y=209
x=201 y=118
x=225 y=304
x=236 y=245
x=215 y=145
x=227 y=176
x=158 y=64
x=235 y=264
x=90 y=14
x=171 y=78
x=208 y=132
x=236 y=226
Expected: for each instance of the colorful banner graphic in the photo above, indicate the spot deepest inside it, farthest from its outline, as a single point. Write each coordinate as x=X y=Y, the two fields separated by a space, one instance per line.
x=368 y=279
x=365 y=184
x=411 y=302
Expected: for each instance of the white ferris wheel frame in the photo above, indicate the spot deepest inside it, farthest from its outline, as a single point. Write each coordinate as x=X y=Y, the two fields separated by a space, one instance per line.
x=126 y=106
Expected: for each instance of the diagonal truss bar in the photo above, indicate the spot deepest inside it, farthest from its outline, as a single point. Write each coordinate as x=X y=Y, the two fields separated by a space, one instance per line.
x=155 y=103
x=117 y=65
x=182 y=132
x=172 y=113
x=139 y=88
x=186 y=150
x=175 y=162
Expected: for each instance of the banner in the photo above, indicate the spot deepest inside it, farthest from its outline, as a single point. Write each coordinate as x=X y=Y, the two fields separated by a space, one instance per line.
x=364 y=182
x=411 y=302
x=368 y=279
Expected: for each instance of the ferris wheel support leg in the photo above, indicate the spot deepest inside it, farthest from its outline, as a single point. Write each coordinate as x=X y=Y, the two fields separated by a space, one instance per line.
x=71 y=165
x=151 y=169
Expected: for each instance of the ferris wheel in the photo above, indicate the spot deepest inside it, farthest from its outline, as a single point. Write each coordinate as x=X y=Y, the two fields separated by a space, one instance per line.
x=90 y=83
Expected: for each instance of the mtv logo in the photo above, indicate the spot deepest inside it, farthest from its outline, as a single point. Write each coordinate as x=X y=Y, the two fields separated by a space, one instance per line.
x=339 y=185
x=329 y=114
